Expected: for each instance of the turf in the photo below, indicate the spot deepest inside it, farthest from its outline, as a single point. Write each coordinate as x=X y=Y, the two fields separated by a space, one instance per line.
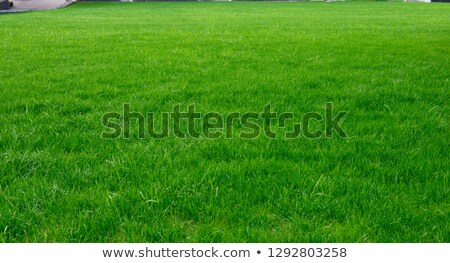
x=386 y=64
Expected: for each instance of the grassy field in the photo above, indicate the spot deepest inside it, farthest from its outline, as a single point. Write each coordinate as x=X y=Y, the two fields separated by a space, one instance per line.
x=386 y=64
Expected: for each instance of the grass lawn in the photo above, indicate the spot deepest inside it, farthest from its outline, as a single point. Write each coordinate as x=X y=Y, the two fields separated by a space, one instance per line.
x=386 y=64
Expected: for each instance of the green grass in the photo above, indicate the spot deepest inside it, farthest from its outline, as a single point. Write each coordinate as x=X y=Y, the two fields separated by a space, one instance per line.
x=387 y=64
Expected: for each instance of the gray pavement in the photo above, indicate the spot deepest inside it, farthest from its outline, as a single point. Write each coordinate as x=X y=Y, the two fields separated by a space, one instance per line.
x=30 y=5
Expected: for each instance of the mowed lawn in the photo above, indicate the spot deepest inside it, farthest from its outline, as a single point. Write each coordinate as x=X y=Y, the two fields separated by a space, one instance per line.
x=386 y=64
